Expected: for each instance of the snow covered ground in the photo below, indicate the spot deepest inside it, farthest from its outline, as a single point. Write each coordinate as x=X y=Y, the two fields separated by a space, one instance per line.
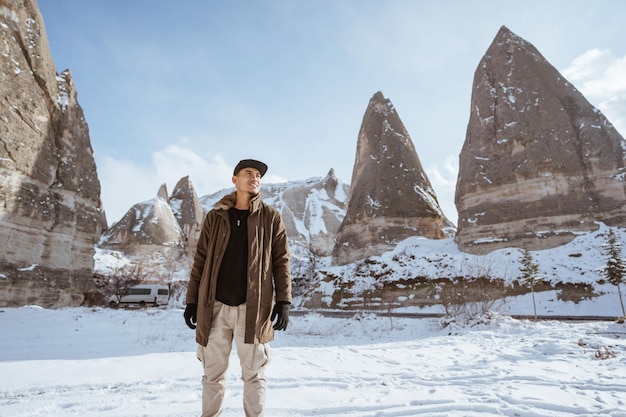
x=129 y=363
x=103 y=362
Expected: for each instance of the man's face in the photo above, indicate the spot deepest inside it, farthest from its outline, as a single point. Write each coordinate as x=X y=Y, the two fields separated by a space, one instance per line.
x=248 y=180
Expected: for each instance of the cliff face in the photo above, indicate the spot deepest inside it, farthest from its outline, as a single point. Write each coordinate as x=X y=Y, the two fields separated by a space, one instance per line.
x=50 y=208
x=391 y=197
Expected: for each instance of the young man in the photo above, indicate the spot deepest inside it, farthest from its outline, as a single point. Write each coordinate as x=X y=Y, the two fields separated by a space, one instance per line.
x=239 y=283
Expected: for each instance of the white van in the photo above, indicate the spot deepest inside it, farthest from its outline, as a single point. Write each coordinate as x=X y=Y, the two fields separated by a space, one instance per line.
x=143 y=294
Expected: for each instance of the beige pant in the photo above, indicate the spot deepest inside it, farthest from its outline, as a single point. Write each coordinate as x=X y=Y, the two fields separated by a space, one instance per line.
x=229 y=322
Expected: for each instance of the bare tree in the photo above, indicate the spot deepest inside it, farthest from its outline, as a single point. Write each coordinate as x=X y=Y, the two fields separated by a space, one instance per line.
x=124 y=277
x=469 y=298
x=314 y=256
x=475 y=292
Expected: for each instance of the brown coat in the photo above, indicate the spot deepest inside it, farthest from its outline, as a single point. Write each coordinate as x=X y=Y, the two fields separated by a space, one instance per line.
x=269 y=272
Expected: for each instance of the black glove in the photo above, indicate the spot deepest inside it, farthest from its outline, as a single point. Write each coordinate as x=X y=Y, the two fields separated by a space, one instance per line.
x=281 y=309
x=190 y=315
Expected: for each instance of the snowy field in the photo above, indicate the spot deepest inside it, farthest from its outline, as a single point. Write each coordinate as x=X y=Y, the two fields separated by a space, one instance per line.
x=102 y=362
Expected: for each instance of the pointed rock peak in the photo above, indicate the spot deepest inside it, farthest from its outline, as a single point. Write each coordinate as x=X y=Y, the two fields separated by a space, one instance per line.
x=330 y=181
x=379 y=97
x=66 y=74
x=505 y=32
x=185 y=192
x=188 y=211
x=379 y=104
x=505 y=35
x=539 y=162
x=509 y=42
x=183 y=184
x=162 y=194
x=391 y=197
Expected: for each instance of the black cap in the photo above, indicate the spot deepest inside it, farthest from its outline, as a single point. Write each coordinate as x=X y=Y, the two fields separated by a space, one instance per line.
x=251 y=163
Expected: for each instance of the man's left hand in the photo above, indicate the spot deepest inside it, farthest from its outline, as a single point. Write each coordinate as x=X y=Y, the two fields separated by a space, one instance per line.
x=281 y=313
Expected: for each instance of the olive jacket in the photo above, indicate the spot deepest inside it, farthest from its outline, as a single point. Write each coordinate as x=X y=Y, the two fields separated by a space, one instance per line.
x=269 y=274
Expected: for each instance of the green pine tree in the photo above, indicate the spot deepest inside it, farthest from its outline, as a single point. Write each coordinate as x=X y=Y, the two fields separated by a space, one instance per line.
x=615 y=269
x=529 y=270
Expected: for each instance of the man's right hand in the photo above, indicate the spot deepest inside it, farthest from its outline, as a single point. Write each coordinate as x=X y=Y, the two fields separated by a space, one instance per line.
x=190 y=315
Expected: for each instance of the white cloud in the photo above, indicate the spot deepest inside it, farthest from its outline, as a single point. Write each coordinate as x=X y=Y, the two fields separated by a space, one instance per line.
x=207 y=175
x=443 y=179
x=125 y=182
x=601 y=78
x=588 y=65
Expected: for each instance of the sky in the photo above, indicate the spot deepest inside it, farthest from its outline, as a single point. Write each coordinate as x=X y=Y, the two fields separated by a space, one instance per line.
x=171 y=89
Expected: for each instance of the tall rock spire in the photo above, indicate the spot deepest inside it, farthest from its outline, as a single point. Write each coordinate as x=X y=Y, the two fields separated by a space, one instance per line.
x=188 y=211
x=539 y=162
x=391 y=197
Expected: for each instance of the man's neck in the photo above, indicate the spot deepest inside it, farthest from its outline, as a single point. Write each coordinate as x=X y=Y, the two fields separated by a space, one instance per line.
x=243 y=200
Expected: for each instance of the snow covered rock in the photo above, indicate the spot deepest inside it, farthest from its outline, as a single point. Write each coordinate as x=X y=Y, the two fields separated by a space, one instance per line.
x=50 y=209
x=391 y=197
x=312 y=209
x=157 y=236
x=149 y=223
x=188 y=211
x=539 y=163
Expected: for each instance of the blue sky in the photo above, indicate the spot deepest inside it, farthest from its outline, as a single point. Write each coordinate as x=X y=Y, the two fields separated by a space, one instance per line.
x=190 y=87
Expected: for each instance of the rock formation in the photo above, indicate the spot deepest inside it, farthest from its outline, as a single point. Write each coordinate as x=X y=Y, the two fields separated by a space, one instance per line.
x=146 y=226
x=50 y=208
x=188 y=211
x=312 y=210
x=539 y=163
x=159 y=235
x=391 y=197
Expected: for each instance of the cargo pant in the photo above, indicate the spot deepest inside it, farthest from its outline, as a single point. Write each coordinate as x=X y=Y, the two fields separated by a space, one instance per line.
x=228 y=323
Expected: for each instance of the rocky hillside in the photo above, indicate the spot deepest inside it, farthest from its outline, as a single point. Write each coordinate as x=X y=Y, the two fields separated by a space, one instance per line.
x=435 y=274
x=540 y=167
x=50 y=210
x=539 y=163
x=160 y=234
x=152 y=237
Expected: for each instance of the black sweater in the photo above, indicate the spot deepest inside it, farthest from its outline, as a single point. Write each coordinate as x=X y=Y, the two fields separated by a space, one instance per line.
x=232 y=280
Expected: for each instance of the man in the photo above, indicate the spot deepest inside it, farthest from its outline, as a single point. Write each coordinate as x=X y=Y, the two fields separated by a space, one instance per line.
x=240 y=270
